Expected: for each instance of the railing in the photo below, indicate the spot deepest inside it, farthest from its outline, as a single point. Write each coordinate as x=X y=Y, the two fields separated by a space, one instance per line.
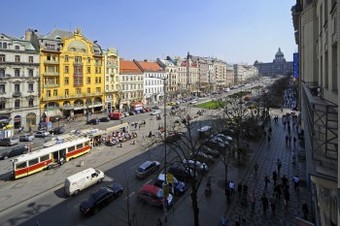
x=55 y=73
x=51 y=85
x=51 y=61
x=17 y=94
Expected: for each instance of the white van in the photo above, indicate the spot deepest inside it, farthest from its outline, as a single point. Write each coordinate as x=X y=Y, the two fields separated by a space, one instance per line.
x=82 y=180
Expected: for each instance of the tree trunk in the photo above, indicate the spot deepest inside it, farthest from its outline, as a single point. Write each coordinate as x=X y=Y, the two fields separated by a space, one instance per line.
x=195 y=206
x=226 y=178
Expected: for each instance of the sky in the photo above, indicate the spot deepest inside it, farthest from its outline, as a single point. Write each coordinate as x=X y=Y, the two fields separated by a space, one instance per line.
x=239 y=31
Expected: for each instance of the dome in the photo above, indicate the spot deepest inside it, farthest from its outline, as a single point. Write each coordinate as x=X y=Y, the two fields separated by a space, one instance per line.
x=279 y=54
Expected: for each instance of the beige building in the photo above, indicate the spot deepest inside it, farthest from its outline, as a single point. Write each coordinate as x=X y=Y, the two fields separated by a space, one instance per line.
x=244 y=72
x=111 y=62
x=316 y=25
x=171 y=69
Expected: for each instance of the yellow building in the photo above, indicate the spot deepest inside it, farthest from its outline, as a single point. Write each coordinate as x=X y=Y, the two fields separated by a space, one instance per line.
x=71 y=74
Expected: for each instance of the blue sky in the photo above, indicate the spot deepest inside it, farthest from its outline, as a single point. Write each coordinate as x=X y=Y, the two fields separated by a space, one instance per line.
x=239 y=31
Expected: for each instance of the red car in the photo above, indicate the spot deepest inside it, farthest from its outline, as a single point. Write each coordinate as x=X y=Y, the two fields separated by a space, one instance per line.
x=153 y=195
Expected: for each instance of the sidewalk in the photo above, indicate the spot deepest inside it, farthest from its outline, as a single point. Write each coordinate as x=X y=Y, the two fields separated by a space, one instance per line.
x=212 y=208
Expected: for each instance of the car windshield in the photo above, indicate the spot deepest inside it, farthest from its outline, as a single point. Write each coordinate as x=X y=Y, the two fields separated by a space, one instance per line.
x=140 y=169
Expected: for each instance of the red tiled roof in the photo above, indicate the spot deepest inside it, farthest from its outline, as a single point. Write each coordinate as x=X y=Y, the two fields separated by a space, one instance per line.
x=129 y=67
x=149 y=66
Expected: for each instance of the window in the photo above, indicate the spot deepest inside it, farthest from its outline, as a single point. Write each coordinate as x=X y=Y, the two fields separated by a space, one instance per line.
x=78 y=59
x=22 y=165
x=88 y=70
x=66 y=92
x=49 y=46
x=2 y=58
x=66 y=58
x=97 y=89
x=78 y=91
x=17 y=72
x=88 y=90
x=66 y=81
x=78 y=70
x=71 y=149
x=16 y=88
x=17 y=58
x=2 y=72
x=44 y=158
x=88 y=60
x=30 y=72
x=17 y=104
x=30 y=87
x=17 y=47
x=2 y=88
x=30 y=102
x=30 y=59
x=88 y=80
x=66 y=70
x=4 y=45
x=33 y=162
x=48 y=93
x=79 y=146
x=55 y=92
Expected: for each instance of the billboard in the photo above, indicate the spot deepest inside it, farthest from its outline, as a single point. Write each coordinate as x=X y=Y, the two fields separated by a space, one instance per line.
x=296 y=65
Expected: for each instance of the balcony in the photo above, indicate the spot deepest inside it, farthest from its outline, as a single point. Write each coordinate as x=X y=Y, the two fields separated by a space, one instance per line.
x=51 y=61
x=55 y=73
x=52 y=85
x=77 y=84
x=17 y=94
x=78 y=64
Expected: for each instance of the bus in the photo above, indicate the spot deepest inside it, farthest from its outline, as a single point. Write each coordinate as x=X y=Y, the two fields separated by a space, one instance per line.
x=36 y=161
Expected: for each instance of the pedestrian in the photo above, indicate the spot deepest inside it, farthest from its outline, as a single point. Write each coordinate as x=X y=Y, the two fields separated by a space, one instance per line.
x=252 y=201
x=305 y=210
x=278 y=191
x=273 y=204
x=232 y=187
x=228 y=194
x=286 y=140
x=270 y=130
x=269 y=138
x=279 y=165
x=286 y=197
x=256 y=168
x=159 y=222
x=296 y=181
x=274 y=177
x=284 y=180
x=266 y=181
x=264 y=201
x=245 y=189
x=239 y=188
x=294 y=140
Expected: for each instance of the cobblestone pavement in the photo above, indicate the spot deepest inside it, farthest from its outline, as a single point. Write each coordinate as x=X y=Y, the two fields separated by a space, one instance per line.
x=266 y=157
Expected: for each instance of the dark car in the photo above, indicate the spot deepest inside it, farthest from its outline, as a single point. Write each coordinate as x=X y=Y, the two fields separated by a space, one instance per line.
x=147 y=168
x=42 y=134
x=58 y=130
x=117 y=189
x=10 y=141
x=93 y=121
x=178 y=186
x=96 y=201
x=104 y=119
x=26 y=137
x=132 y=113
x=181 y=172
x=18 y=150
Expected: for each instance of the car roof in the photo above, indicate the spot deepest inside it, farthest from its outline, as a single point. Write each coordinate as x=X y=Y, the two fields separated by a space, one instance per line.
x=150 y=188
x=145 y=164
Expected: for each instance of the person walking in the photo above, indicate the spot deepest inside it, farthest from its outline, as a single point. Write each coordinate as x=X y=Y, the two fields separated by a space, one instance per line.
x=279 y=165
x=266 y=181
x=264 y=201
x=252 y=200
x=274 y=177
x=305 y=210
x=296 y=181
x=286 y=197
x=273 y=204
x=284 y=180
x=269 y=138
x=239 y=189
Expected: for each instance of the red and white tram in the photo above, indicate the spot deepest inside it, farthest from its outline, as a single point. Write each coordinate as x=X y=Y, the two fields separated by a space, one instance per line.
x=36 y=161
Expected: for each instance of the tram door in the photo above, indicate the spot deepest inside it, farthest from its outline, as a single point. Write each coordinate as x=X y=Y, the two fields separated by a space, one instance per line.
x=55 y=156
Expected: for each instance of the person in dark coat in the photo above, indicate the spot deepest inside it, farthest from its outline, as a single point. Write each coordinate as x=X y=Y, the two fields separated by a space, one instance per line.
x=264 y=201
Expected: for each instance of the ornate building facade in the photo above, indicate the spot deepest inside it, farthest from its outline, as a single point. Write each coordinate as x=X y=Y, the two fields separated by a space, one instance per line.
x=71 y=74
x=111 y=62
x=19 y=83
x=279 y=66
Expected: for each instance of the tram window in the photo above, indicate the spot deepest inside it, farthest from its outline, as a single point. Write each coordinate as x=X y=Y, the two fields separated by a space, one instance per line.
x=33 y=161
x=44 y=158
x=79 y=146
x=87 y=143
x=71 y=149
x=21 y=165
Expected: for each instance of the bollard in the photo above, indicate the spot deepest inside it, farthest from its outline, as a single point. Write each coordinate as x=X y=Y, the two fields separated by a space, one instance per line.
x=120 y=145
x=133 y=142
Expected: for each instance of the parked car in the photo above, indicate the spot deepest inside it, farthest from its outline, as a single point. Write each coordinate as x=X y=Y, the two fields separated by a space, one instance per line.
x=181 y=172
x=15 y=151
x=155 y=112
x=202 y=157
x=104 y=119
x=155 y=107
x=126 y=114
x=147 y=168
x=154 y=196
x=178 y=186
x=58 y=130
x=209 y=151
x=10 y=141
x=132 y=113
x=26 y=137
x=41 y=133
x=147 y=109
x=116 y=115
x=195 y=165
x=102 y=197
x=117 y=189
x=93 y=121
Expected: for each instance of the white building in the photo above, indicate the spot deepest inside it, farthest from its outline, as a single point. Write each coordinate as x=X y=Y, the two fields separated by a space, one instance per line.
x=19 y=83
